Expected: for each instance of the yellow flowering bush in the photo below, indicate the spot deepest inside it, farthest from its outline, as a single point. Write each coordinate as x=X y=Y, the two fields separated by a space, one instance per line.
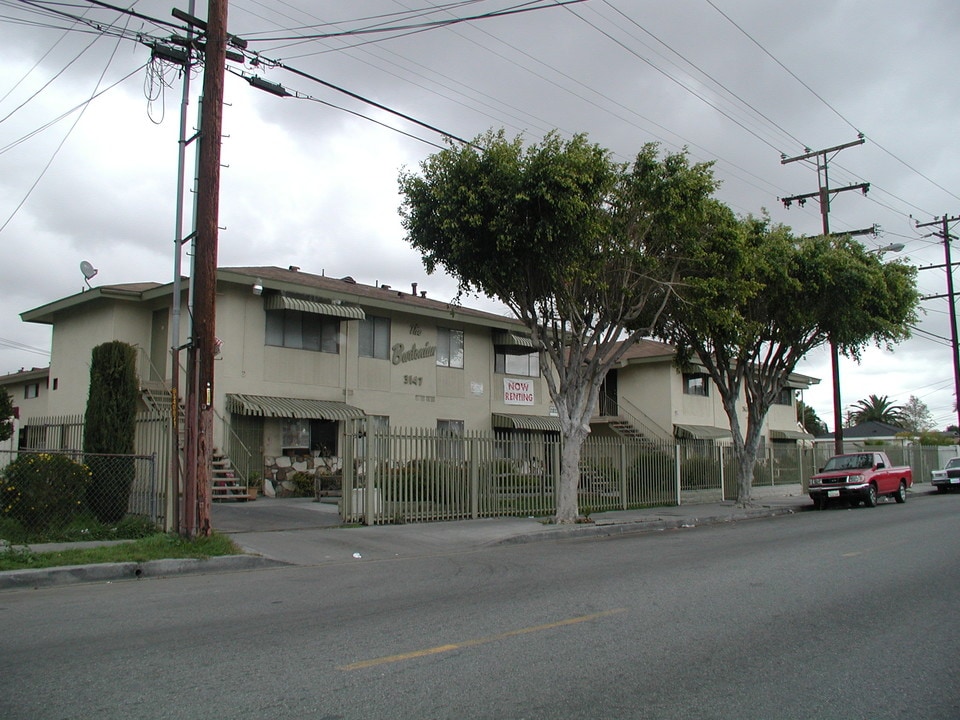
x=43 y=490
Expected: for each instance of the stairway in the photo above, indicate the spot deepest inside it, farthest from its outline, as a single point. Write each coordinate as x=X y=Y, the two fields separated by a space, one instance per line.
x=226 y=483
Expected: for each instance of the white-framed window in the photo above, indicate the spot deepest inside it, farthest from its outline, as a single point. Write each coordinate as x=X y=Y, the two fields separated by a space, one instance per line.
x=523 y=365
x=303 y=331
x=449 y=347
x=375 y=337
x=696 y=384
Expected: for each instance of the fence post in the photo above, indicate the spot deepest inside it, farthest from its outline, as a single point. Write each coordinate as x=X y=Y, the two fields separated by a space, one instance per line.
x=370 y=463
x=623 y=473
x=723 y=474
x=677 y=465
x=473 y=461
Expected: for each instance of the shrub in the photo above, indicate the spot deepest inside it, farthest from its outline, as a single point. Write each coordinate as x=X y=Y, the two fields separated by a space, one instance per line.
x=109 y=428
x=43 y=490
x=699 y=472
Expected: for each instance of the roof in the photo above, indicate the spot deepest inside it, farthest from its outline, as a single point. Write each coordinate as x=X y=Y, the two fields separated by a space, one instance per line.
x=868 y=430
x=347 y=289
x=25 y=376
x=130 y=292
x=287 y=280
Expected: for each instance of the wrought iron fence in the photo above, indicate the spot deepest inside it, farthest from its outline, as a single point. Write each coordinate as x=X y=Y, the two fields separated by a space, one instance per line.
x=51 y=495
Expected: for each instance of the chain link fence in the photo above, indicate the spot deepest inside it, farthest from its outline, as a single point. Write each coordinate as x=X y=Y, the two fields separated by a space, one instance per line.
x=67 y=496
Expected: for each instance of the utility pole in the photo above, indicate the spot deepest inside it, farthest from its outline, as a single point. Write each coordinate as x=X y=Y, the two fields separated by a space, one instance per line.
x=200 y=355
x=944 y=233
x=824 y=195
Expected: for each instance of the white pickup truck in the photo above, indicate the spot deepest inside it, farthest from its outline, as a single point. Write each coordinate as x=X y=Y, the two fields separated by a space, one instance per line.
x=947 y=478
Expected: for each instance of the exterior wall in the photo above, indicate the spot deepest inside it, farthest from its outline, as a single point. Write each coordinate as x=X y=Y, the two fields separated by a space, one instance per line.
x=409 y=388
x=75 y=336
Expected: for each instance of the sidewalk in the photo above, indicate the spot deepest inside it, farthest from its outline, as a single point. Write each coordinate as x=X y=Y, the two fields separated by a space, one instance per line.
x=304 y=533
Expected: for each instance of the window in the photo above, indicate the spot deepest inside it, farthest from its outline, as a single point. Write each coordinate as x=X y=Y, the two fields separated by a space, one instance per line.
x=31 y=391
x=450 y=440
x=375 y=337
x=695 y=384
x=526 y=365
x=784 y=397
x=303 y=331
x=449 y=348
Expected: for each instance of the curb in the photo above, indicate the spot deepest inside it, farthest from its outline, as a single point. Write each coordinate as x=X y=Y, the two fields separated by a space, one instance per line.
x=116 y=572
x=635 y=527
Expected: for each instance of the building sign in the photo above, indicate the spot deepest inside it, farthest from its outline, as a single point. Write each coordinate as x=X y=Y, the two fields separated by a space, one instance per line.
x=401 y=355
x=518 y=392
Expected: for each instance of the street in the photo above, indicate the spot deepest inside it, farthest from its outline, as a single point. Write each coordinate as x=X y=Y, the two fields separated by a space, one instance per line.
x=845 y=613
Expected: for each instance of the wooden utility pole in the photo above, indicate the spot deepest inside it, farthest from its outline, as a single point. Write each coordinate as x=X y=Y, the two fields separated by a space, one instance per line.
x=200 y=356
x=823 y=195
x=944 y=233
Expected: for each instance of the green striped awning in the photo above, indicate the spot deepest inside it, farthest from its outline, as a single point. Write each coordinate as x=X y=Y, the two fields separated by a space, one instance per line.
x=283 y=302
x=790 y=435
x=702 y=432
x=542 y=423
x=301 y=408
x=504 y=338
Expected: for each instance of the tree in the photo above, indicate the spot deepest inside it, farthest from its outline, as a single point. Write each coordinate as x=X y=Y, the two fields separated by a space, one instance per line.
x=109 y=429
x=810 y=421
x=756 y=299
x=916 y=416
x=878 y=409
x=584 y=252
x=6 y=416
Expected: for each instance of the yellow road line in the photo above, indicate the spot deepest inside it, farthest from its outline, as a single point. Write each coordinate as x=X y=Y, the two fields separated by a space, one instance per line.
x=476 y=641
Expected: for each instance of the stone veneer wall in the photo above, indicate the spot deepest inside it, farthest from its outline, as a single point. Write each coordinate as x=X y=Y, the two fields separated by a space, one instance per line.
x=279 y=471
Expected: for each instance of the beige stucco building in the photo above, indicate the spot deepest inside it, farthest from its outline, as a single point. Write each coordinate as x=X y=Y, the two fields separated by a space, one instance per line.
x=300 y=352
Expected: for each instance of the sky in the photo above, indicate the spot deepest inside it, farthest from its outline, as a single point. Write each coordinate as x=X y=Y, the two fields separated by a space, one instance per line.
x=89 y=131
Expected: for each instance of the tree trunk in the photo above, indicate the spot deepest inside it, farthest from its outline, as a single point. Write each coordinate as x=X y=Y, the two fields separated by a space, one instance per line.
x=568 y=509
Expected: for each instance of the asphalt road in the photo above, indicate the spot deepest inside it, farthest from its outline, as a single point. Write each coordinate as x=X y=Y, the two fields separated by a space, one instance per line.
x=835 y=614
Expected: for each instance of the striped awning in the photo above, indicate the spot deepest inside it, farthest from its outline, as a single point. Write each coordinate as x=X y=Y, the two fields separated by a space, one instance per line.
x=301 y=408
x=702 y=432
x=790 y=435
x=504 y=338
x=541 y=423
x=283 y=302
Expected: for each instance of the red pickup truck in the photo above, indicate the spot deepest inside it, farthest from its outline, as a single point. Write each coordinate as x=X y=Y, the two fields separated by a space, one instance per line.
x=860 y=477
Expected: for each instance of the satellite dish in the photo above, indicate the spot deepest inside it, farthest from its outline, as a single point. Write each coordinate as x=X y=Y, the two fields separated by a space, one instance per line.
x=88 y=271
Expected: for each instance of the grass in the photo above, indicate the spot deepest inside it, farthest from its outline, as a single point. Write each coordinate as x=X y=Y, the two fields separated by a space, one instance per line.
x=155 y=547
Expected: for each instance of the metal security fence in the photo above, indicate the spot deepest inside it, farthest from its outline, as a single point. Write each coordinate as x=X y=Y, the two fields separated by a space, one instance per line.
x=398 y=475
x=68 y=495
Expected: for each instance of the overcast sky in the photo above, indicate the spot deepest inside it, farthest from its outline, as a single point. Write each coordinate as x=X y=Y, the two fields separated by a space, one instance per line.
x=309 y=182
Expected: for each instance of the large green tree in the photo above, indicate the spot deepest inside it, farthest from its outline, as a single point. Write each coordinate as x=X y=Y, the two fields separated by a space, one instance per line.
x=584 y=251
x=109 y=428
x=756 y=299
x=6 y=416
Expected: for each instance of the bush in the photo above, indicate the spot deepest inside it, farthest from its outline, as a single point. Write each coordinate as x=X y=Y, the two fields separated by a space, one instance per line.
x=43 y=490
x=699 y=472
x=111 y=479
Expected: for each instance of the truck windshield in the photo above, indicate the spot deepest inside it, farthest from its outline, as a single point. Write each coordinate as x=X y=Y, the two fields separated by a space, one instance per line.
x=861 y=461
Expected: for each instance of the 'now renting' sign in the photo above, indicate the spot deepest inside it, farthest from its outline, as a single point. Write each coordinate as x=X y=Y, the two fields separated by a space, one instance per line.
x=518 y=392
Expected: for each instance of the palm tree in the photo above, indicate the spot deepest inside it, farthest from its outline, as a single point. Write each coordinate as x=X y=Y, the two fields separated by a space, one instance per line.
x=878 y=409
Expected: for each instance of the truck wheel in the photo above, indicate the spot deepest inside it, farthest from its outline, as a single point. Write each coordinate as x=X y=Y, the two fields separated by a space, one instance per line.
x=901 y=496
x=942 y=489
x=820 y=502
x=870 y=499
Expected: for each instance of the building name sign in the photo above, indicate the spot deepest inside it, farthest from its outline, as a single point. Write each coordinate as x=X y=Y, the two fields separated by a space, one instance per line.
x=401 y=355
x=518 y=392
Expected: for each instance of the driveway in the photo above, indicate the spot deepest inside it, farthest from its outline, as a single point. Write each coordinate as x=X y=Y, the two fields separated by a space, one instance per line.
x=273 y=514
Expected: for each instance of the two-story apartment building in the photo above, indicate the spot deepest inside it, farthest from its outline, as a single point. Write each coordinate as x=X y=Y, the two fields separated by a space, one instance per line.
x=300 y=353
